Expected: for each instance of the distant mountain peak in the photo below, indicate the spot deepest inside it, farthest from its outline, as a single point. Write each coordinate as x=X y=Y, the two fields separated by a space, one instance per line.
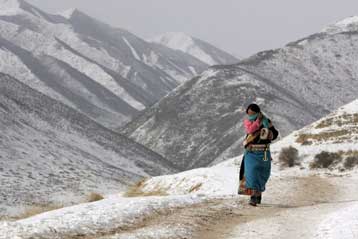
x=10 y=7
x=199 y=49
x=176 y=40
x=185 y=43
x=345 y=25
x=10 y=3
x=168 y=37
x=69 y=13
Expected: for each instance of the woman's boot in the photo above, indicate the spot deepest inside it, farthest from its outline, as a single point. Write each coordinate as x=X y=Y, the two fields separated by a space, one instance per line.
x=258 y=198
x=253 y=200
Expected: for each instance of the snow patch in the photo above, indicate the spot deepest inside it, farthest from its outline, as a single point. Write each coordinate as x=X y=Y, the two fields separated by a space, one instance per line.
x=68 y=13
x=152 y=60
x=207 y=74
x=218 y=180
x=185 y=43
x=347 y=24
x=192 y=69
x=135 y=54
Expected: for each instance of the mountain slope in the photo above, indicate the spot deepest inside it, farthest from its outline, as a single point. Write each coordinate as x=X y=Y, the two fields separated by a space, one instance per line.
x=199 y=49
x=51 y=154
x=200 y=123
x=336 y=133
x=109 y=70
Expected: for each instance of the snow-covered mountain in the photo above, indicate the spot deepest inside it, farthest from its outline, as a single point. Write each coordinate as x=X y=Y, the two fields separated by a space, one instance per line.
x=199 y=49
x=200 y=123
x=52 y=155
x=105 y=72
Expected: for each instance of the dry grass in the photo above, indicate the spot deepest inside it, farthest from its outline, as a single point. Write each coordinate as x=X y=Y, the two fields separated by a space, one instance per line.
x=137 y=190
x=305 y=139
x=195 y=188
x=351 y=153
x=36 y=210
x=94 y=197
x=339 y=121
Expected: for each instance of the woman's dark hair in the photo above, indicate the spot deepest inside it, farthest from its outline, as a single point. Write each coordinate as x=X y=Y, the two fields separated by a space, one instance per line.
x=254 y=107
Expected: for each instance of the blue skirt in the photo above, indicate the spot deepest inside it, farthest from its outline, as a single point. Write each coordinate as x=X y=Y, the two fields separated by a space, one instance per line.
x=257 y=170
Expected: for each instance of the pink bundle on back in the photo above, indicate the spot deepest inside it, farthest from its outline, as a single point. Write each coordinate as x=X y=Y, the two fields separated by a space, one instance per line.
x=251 y=127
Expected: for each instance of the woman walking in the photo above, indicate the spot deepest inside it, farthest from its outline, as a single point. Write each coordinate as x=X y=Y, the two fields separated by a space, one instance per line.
x=256 y=165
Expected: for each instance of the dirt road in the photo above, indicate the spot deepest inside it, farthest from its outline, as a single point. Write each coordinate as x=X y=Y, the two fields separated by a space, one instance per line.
x=293 y=207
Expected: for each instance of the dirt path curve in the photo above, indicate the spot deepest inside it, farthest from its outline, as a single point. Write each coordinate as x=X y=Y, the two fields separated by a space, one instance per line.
x=290 y=204
x=296 y=211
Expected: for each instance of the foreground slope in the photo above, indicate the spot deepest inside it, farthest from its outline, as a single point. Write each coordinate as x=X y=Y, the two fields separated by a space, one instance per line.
x=52 y=155
x=106 y=73
x=200 y=123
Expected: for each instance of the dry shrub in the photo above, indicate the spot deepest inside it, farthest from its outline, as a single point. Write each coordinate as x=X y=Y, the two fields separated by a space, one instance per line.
x=326 y=160
x=195 y=188
x=351 y=162
x=94 y=197
x=289 y=157
x=137 y=190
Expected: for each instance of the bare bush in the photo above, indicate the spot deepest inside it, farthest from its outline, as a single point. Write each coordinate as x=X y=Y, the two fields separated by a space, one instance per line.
x=351 y=162
x=326 y=160
x=289 y=157
x=94 y=197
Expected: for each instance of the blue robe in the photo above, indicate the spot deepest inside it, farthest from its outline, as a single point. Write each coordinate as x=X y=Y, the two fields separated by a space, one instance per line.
x=257 y=170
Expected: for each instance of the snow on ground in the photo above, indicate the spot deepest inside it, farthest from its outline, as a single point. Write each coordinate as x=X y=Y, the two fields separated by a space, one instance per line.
x=68 y=13
x=347 y=219
x=218 y=180
x=104 y=216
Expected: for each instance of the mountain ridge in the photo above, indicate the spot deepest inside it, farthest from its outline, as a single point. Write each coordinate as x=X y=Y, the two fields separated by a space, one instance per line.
x=200 y=123
x=136 y=72
x=49 y=150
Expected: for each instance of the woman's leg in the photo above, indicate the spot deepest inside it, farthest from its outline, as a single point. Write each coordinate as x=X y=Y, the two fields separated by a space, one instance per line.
x=242 y=187
x=253 y=199
x=259 y=197
x=242 y=168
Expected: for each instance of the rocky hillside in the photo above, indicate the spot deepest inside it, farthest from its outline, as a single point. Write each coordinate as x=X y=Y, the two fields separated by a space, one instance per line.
x=329 y=143
x=52 y=155
x=106 y=73
x=200 y=123
x=326 y=147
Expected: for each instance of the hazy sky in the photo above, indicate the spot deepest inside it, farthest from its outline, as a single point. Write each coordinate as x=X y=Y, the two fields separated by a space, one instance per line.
x=241 y=27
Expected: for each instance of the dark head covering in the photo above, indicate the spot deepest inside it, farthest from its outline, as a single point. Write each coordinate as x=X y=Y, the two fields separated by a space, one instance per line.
x=254 y=107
